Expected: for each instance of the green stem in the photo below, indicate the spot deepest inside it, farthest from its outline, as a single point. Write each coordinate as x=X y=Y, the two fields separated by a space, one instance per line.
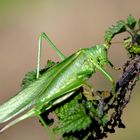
x=51 y=135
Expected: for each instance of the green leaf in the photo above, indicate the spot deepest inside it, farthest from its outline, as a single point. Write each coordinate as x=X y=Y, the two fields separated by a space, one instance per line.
x=73 y=122
x=119 y=27
x=72 y=117
x=49 y=64
x=68 y=107
x=131 y=22
x=134 y=49
x=28 y=79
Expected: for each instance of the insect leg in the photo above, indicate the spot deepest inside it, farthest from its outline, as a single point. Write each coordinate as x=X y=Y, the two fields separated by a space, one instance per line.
x=41 y=37
x=107 y=75
x=47 y=127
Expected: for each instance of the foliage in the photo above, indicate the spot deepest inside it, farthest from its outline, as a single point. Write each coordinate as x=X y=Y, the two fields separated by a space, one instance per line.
x=72 y=116
x=115 y=29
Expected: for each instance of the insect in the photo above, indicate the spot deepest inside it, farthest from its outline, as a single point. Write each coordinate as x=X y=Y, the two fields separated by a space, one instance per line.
x=56 y=84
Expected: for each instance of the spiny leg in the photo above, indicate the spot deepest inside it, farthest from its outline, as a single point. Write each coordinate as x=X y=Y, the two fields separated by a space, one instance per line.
x=51 y=135
x=41 y=37
x=107 y=75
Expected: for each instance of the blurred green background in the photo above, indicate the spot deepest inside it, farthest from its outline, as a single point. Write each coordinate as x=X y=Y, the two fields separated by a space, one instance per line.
x=71 y=24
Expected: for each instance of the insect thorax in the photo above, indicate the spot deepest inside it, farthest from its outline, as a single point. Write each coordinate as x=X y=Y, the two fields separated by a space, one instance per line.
x=99 y=55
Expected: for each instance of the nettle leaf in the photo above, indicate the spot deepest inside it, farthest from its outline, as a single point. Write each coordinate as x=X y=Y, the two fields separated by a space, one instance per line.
x=72 y=117
x=31 y=76
x=131 y=22
x=68 y=107
x=74 y=122
x=135 y=49
x=49 y=64
x=119 y=27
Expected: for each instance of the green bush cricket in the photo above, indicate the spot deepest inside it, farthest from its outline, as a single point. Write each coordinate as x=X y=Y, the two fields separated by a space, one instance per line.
x=56 y=84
